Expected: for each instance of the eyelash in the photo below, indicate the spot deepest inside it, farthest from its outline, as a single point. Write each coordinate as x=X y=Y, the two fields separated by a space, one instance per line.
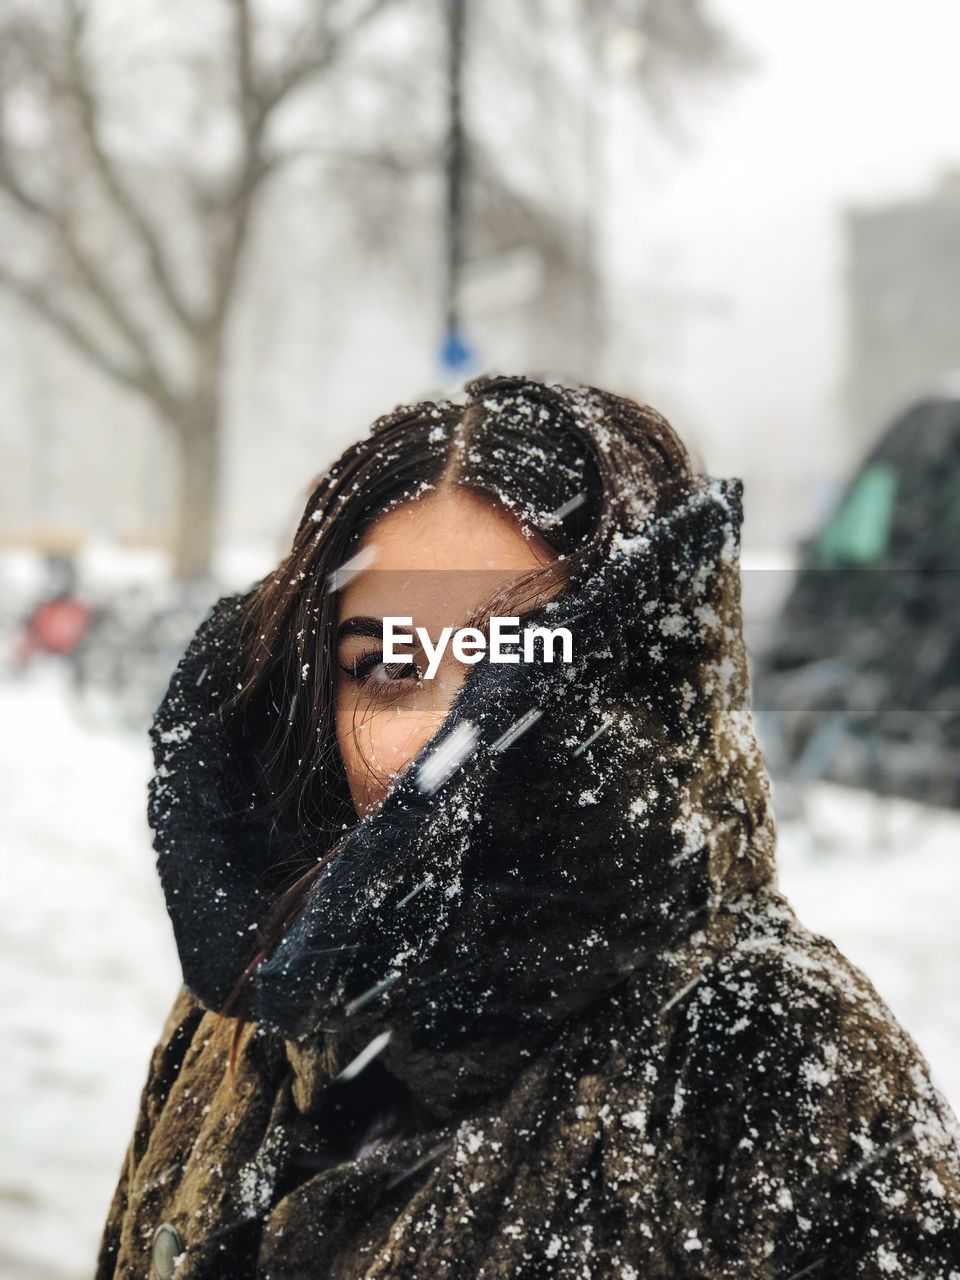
x=364 y=665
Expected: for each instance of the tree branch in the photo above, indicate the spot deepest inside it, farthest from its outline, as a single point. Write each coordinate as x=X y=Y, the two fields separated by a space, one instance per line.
x=135 y=377
x=316 y=51
x=243 y=53
x=91 y=274
x=124 y=201
x=259 y=98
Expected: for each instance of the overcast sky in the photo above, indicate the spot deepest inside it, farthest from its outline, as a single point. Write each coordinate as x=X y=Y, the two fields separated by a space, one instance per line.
x=853 y=102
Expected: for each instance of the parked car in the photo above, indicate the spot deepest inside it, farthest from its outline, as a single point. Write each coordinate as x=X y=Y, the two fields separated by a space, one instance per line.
x=859 y=680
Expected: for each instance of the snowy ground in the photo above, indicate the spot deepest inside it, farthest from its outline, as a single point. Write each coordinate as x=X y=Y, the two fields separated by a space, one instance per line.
x=89 y=969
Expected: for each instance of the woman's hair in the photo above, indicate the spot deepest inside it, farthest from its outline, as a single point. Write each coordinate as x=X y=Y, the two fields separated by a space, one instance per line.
x=573 y=464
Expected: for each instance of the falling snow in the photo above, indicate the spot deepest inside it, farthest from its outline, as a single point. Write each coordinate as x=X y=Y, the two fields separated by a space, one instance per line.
x=622 y=899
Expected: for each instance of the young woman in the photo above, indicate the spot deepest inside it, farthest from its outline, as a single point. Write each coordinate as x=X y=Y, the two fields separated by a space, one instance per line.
x=486 y=973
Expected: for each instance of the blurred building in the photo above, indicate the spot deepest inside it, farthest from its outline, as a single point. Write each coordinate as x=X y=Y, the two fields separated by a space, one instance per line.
x=903 y=294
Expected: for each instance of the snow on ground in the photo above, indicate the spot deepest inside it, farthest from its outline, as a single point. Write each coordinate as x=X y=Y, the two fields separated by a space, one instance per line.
x=880 y=877
x=89 y=968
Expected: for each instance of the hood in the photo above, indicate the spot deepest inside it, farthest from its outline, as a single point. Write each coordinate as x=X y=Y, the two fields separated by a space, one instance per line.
x=566 y=823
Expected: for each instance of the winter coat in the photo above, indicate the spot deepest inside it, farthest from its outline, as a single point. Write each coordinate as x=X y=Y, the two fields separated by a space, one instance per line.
x=582 y=1032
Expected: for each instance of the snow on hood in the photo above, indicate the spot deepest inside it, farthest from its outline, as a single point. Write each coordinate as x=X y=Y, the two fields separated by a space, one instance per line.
x=566 y=822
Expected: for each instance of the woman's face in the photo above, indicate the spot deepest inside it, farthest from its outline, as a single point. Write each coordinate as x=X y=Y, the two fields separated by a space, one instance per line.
x=436 y=559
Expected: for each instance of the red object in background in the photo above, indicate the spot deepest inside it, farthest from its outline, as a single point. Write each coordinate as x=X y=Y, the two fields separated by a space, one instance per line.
x=56 y=626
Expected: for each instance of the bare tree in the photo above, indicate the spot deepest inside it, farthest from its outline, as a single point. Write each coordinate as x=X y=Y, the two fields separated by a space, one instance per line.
x=90 y=212
x=133 y=253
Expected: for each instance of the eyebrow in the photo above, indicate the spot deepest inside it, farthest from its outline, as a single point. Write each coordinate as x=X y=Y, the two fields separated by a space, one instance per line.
x=362 y=624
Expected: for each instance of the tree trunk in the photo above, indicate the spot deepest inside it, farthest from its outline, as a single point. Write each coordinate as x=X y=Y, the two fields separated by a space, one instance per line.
x=198 y=437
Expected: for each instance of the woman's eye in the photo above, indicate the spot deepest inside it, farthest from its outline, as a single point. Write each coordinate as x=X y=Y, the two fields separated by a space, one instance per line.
x=370 y=668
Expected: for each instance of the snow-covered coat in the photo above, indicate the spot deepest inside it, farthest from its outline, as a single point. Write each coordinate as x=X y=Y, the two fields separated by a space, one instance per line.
x=557 y=973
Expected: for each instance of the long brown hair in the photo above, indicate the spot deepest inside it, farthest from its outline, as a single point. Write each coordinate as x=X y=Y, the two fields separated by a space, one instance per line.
x=574 y=463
